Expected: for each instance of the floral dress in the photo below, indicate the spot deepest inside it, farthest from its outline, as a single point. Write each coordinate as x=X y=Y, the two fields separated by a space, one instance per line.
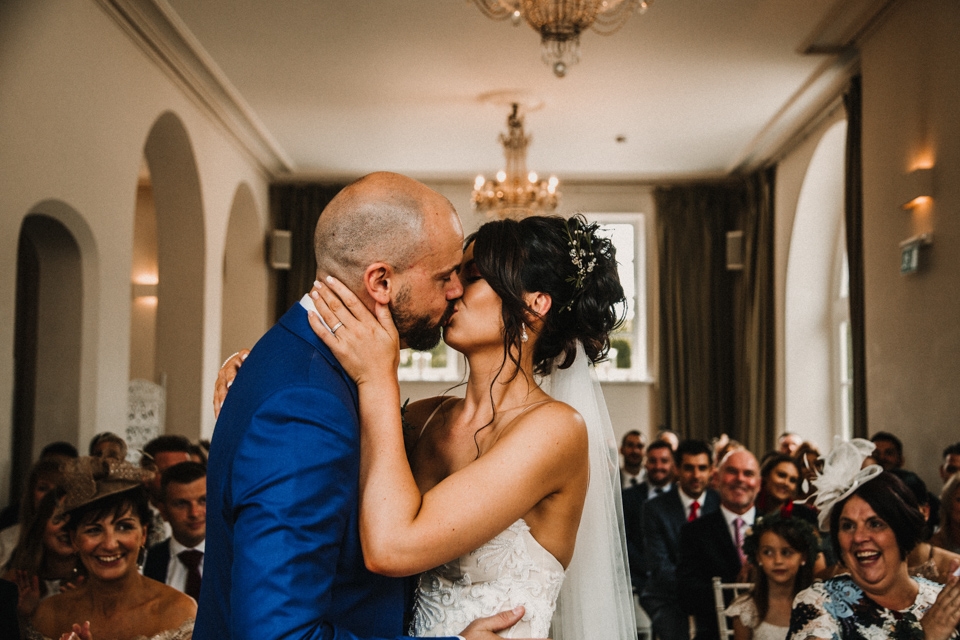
x=839 y=610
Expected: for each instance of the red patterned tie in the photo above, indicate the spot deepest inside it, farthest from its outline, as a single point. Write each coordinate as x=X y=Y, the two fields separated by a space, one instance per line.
x=694 y=509
x=191 y=560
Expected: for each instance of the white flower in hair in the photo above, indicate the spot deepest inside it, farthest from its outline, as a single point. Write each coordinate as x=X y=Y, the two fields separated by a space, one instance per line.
x=842 y=475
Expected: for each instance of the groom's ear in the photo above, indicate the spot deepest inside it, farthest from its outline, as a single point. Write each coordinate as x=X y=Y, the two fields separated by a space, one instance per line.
x=378 y=281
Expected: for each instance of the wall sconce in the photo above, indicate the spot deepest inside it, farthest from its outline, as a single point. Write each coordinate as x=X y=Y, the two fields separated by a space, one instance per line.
x=917 y=188
x=144 y=289
x=279 y=249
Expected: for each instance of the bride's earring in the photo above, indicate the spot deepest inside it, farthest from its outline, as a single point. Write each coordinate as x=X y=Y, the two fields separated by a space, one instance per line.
x=523 y=333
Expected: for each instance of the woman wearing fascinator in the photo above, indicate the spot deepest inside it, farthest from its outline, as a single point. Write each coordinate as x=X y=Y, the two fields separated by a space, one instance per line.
x=873 y=522
x=106 y=510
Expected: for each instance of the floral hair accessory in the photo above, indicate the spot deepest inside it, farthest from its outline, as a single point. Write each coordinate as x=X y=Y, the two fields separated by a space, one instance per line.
x=580 y=241
x=842 y=475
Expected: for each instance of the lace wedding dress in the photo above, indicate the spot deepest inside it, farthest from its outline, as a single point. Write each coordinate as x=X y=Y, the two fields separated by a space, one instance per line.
x=510 y=570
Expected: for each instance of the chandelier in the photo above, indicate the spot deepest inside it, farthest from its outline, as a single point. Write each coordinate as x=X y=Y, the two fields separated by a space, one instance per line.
x=515 y=193
x=560 y=22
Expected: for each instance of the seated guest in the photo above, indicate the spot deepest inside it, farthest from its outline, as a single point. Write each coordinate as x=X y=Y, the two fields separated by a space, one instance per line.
x=809 y=463
x=44 y=476
x=631 y=448
x=713 y=545
x=874 y=523
x=783 y=549
x=44 y=559
x=926 y=560
x=779 y=482
x=660 y=470
x=788 y=443
x=889 y=450
x=178 y=560
x=951 y=462
x=107 y=512
x=948 y=535
x=689 y=499
x=160 y=454
x=108 y=445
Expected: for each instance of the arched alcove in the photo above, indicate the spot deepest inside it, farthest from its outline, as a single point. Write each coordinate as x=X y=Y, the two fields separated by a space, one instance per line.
x=48 y=335
x=177 y=201
x=244 y=301
x=810 y=376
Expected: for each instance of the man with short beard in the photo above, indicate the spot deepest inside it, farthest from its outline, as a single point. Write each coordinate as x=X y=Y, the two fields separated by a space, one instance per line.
x=712 y=545
x=284 y=557
x=663 y=518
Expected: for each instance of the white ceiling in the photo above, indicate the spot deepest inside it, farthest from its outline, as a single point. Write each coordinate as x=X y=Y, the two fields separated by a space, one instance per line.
x=697 y=87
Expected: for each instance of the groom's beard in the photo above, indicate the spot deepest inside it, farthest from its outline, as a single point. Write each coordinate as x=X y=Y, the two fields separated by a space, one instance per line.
x=418 y=331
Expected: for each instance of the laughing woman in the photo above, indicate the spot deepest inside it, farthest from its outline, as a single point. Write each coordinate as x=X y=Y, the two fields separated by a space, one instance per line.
x=874 y=523
x=107 y=511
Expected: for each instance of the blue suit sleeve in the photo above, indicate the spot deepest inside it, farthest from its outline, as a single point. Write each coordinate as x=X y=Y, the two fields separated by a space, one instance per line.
x=294 y=490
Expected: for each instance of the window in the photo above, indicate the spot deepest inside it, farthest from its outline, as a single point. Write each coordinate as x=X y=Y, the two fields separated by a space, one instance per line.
x=843 y=350
x=440 y=363
x=628 y=345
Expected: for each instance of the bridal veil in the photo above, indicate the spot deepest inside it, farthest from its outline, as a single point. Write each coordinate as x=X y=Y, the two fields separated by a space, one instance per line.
x=596 y=600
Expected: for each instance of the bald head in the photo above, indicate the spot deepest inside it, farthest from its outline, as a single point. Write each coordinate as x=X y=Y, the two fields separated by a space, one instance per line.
x=382 y=217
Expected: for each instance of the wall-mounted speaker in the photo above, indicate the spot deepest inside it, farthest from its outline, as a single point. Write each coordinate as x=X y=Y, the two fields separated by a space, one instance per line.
x=734 y=250
x=280 y=249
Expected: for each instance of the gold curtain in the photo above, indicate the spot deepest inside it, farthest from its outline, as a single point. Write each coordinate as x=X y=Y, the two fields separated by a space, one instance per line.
x=717 y=326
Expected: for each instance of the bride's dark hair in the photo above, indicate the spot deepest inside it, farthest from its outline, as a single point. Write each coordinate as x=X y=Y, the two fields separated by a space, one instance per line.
x=569 y=261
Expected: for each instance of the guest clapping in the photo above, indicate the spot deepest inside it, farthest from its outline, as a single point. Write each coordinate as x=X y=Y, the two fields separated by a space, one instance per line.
x=107 y=511
x=874 y=523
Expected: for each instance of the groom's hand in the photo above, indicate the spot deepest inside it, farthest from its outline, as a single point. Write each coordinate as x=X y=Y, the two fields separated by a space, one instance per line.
x=486 y=628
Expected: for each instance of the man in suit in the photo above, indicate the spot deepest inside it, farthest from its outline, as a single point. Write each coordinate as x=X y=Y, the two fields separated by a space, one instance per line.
x=285 y=558
x=660 y=471
x=631 y=448
x=712 y=545
x=178 y=560
x=688 y=500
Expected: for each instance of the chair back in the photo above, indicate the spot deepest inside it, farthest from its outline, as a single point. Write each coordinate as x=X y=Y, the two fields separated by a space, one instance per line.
x=719 y=599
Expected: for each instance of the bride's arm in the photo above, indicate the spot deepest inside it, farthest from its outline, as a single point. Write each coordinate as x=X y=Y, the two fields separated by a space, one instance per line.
x=401 y=531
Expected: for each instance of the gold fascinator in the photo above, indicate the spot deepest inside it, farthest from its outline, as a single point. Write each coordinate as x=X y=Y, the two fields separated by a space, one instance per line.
x=90 y=478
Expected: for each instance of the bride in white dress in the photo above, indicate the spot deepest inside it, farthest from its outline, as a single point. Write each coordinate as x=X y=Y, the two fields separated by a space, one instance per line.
x=507 y=496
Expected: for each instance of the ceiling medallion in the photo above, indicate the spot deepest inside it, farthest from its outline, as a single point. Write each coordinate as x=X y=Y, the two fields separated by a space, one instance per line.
x=515 y=193
x=560 y=22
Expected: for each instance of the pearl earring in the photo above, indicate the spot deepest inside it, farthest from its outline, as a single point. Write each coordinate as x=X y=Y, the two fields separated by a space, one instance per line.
x=523 y=333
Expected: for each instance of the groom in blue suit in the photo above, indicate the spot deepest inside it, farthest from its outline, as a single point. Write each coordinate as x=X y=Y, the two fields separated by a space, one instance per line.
x=283 y=556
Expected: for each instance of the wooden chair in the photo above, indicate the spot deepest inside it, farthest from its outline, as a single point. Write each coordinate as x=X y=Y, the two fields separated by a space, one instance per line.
x=735 y=589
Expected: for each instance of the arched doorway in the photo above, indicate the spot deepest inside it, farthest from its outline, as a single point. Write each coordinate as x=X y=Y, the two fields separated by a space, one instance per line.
x=816 y=262
x=177 y=356
x=244 y=300
x=48 y=336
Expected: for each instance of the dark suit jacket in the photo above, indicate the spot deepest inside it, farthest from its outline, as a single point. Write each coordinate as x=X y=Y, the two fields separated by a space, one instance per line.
x=706 y=550
x=662 y=519
x=633 y=501
x=158 y=558
x=284 y=557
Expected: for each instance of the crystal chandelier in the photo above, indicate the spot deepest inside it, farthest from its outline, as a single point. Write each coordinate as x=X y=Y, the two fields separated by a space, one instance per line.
x=560 y=22
x=515 y=193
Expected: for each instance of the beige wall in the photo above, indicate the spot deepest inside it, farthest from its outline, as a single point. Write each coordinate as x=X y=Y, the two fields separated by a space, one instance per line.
x=78 y=102
x=911 y=89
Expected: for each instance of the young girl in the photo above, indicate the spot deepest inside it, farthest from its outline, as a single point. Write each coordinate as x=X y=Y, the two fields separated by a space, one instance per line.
x=784 y=550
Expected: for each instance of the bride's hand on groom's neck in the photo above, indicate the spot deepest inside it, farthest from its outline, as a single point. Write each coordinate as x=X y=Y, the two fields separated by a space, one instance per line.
x=366 y=344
